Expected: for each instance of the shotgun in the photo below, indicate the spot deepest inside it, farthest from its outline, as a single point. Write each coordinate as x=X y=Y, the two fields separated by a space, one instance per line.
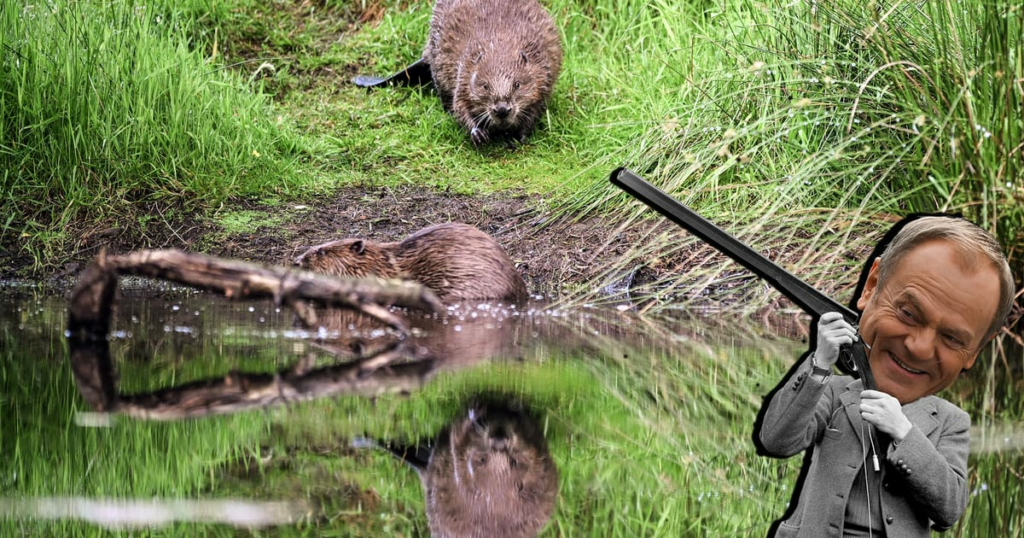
x=852 y=358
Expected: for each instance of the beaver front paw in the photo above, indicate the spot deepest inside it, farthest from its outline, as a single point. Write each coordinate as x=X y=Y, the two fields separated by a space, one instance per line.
x=479 y=136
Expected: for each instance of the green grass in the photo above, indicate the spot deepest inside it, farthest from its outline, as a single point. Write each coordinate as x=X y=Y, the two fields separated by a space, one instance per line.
x=825 y=121
x=103 y=104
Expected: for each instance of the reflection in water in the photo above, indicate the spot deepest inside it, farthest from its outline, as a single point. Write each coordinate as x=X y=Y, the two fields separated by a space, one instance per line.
x=464 y=335
x=143 y=513
x=648 y=422
x=92 y=303
x=380 y=361
x=240 y=392
x=488 y=473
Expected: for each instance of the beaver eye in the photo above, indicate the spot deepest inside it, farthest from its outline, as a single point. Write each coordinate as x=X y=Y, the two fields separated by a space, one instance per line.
x=485 y=86
x=516 y=85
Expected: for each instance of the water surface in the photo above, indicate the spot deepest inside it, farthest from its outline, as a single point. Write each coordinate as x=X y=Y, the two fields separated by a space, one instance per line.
x=213 y=416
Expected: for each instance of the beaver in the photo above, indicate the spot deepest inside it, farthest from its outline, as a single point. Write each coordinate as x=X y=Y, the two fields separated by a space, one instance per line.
x=488 y=474
x=457 y=261
x=494 y=64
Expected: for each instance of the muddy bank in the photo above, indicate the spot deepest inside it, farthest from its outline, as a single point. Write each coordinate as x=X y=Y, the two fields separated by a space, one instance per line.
x=555 y=256
x=550 y=255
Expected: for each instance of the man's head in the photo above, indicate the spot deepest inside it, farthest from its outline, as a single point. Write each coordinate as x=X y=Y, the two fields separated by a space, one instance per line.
x=940 y=291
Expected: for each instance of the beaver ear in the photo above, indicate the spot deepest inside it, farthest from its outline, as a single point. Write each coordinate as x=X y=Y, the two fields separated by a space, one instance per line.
x=358 y=247
x=523 y=59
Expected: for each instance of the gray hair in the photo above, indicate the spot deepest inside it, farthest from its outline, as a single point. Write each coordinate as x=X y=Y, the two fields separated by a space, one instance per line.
x=973 y=245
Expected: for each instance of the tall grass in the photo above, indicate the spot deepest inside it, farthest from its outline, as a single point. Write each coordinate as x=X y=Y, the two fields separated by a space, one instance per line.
x=941 y=80
x=104 y=103
x=826 y=121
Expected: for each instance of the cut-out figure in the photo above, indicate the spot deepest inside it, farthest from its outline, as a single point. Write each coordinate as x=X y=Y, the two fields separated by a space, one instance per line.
x=892 y=461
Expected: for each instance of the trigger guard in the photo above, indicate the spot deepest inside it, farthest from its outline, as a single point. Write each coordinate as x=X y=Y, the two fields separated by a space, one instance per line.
x=847 y=360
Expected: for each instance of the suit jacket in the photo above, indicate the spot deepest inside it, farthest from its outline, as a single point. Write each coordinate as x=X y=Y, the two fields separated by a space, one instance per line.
x=924 y=478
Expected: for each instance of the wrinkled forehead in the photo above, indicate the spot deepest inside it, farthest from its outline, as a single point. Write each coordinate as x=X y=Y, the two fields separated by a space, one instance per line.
x=943 y=256
x=959 y=279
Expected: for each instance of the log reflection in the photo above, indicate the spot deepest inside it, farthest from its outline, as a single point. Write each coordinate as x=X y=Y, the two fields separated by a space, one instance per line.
x=395 y=367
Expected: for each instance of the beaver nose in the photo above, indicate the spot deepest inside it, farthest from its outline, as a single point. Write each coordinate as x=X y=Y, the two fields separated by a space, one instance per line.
x=501 y=110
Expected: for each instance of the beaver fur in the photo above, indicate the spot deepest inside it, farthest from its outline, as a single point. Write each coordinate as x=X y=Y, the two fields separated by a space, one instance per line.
x=489 y=473
x=455 y=260
x=494 y=64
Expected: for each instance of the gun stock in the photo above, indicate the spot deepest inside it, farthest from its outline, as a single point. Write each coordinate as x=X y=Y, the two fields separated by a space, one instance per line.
x=852 y=359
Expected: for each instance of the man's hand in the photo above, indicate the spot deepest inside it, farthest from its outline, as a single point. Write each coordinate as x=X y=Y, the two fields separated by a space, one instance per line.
x=885 y=413
x=833 y=331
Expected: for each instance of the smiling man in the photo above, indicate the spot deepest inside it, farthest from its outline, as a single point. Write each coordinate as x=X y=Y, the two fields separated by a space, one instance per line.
x=893 y=461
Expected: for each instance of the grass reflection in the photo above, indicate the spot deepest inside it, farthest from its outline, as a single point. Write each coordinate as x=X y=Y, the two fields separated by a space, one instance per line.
x=650 y=434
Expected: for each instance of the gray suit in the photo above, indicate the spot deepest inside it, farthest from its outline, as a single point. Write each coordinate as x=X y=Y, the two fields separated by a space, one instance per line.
x=924 y=478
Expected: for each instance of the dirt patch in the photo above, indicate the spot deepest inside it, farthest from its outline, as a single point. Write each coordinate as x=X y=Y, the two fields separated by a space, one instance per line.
x=549 y=255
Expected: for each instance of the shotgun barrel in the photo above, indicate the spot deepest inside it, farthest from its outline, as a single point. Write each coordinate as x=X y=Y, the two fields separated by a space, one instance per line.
x=852 y=359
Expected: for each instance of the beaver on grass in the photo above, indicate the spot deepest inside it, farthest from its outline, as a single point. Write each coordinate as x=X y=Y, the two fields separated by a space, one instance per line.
x=456 y=261
x=494 y=64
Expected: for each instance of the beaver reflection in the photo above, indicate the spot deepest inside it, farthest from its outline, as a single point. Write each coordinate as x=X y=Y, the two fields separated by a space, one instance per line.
x=465 y=335
x=489 y=474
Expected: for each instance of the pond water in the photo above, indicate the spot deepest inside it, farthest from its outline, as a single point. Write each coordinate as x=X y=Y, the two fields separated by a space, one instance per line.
x=198 y=415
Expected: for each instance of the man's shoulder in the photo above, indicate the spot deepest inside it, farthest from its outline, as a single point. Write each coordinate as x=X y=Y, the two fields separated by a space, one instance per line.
x=943 y=408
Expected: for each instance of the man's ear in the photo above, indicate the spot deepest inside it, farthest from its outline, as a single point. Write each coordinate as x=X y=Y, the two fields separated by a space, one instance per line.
x=870 y=286
x=984 y=342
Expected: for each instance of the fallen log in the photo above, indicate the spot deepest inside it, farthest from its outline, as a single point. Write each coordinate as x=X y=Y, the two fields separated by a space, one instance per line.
x=91 y=306
x=92 y=297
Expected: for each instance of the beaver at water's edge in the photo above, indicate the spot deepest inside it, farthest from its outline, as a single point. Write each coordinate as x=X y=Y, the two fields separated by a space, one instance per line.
x=456 y=261
x=494 y=63
x=490 y=474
